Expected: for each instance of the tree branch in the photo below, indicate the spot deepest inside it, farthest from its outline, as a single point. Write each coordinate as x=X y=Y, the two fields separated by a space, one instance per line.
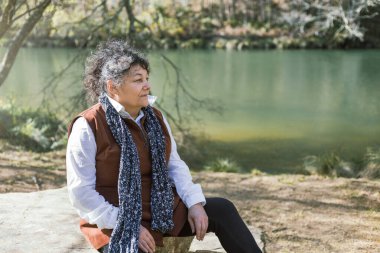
x=131 y=17
x=28 y=11
x=6 y=17
x=16 y=43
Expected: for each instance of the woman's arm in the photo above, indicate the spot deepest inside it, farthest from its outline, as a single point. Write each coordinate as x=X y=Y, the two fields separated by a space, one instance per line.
x=80 y=165
x=179 y=173
x=190 y=193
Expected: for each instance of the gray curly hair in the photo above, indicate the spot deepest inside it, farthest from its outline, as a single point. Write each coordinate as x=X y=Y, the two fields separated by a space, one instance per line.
x=110 y=61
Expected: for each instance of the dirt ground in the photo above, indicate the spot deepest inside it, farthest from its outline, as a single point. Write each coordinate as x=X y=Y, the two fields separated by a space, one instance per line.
x=304 y=213
x=296 y=213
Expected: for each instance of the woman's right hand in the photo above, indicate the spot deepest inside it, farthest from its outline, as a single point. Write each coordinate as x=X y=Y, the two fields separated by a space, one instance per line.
x=146 y=241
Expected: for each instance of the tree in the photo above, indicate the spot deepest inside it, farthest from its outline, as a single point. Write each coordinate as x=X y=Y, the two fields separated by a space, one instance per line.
x=8 y=19
x=335 y=22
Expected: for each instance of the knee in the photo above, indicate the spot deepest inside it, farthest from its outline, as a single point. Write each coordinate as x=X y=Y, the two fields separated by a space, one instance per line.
x=227 y=204
x=222 y=206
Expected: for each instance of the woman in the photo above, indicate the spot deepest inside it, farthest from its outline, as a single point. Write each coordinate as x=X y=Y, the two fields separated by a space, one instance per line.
x=124 y=175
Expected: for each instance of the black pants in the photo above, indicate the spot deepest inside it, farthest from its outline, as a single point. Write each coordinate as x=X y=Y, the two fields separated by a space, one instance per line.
x=225 y=221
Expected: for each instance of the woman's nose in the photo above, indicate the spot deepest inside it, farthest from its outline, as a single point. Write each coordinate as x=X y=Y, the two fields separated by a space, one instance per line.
x=147 y=85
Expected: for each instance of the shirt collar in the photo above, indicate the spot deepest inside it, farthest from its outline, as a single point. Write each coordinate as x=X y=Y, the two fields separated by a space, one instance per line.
x=122 y=112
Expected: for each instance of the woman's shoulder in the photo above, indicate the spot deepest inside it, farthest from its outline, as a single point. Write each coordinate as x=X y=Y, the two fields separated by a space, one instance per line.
x=93 y=111
x=90 y=115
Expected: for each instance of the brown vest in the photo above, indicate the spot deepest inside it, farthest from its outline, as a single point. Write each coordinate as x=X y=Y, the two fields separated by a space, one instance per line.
x=107 y=173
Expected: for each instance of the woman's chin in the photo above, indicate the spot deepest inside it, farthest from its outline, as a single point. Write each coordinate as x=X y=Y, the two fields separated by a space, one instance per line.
x=144 y=104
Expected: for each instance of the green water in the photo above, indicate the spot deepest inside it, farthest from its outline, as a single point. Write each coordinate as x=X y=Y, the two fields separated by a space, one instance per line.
x=279 y=106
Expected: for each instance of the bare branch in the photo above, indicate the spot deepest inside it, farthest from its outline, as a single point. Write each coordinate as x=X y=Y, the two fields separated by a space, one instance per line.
x=6 y=17
x=144 y=25
x=92 y=13
x=172 y=118
x=131 y=17
x=96 y=28
x=28 y=11
x=184 y=89
x=16 y=43
x=182 y=93
x=60 y=74
x=21 y=3
x=178 y=84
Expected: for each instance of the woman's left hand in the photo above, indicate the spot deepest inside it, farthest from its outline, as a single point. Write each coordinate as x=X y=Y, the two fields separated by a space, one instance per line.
x=198 y=220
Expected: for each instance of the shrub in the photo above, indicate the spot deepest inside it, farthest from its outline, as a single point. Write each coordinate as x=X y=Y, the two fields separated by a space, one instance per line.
x=222 y=165
x=32 y=129
x=329 y=164
x=371 y=163
x=256 y=172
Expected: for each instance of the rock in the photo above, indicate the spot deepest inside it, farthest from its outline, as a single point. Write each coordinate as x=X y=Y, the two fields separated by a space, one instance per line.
x=211 y=244
x=41 y=221
x=45 y=221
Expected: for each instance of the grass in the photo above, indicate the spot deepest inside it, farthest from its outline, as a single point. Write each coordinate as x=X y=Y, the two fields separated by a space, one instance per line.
x=332 y=165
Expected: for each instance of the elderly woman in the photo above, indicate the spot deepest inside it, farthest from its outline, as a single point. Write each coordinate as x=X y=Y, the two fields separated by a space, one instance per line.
x=124 y=175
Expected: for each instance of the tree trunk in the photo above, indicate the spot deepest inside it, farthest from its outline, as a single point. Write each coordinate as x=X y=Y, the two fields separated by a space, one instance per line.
x=16 y=43
x=131 y=18
x=234 y=9
x=222 y=11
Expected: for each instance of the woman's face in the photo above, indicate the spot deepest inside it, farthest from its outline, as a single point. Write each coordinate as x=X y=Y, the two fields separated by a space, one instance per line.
x=133 y=93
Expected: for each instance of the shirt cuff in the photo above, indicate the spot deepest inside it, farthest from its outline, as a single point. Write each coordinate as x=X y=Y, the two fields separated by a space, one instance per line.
x=106 y=219
x=194 y=197
x=195 y=200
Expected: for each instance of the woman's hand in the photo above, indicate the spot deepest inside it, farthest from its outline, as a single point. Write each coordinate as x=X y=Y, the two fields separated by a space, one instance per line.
x=198 y=220
x=146 y=241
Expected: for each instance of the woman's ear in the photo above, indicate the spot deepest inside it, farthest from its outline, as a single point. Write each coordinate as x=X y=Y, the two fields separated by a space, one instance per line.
x=111 y=90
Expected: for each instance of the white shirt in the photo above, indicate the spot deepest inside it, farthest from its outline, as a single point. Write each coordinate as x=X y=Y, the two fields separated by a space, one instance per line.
x=81 y=169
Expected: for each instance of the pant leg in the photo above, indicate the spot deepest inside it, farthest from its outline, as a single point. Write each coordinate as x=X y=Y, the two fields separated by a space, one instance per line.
x=226 y=223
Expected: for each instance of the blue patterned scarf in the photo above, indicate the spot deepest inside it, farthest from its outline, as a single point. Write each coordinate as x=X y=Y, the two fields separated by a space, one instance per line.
x=125 y=236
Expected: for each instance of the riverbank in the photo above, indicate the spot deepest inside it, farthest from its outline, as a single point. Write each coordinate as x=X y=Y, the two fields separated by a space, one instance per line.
x=297 y=213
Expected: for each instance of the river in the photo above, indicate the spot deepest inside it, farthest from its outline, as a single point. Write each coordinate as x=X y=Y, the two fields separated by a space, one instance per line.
x=278 y=106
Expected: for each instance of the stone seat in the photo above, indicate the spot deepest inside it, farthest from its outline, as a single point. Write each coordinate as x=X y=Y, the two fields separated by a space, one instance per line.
x=45 y=221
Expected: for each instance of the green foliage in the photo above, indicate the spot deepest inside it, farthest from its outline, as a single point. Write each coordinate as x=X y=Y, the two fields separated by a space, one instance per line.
x=371 y=161
x=256 y=172
x=223 y=165
x=333 y=165
x=329 y=164
x=35 y=130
